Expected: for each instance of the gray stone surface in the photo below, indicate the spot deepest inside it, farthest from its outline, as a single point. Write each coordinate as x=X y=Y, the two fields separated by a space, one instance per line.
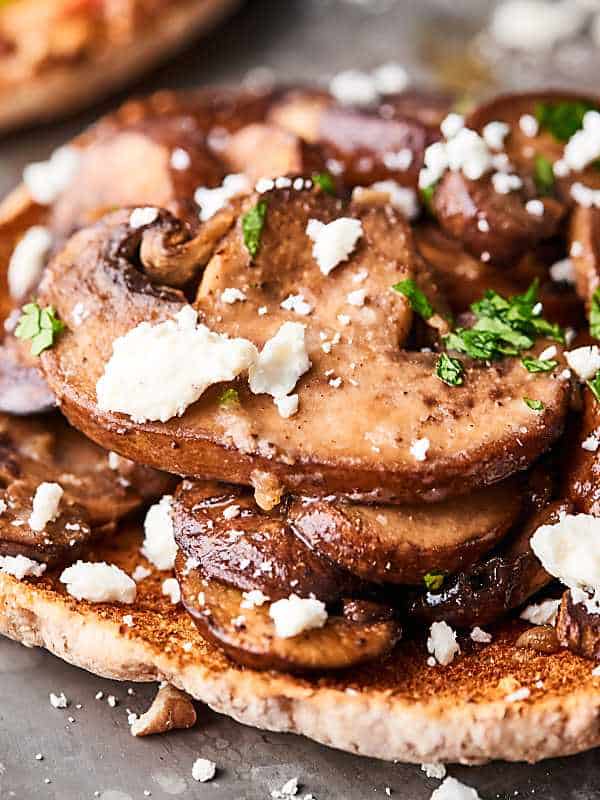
x=95 y=756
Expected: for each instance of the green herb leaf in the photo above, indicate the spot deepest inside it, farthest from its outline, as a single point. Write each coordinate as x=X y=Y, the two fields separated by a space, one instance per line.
x=252 y=225
x=594 y=385
x=325 y=181
x=433 y=581
x=543 y=174
x=595 y=315
x=40 y=326
x=534 y=405
x=418 y=301
x=427 y=198
x=538 y=365
x=450 y=370
x=229 y=397
x=563 y=118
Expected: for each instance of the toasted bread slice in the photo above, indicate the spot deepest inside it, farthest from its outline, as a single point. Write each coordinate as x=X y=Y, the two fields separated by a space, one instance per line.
x=397 y=709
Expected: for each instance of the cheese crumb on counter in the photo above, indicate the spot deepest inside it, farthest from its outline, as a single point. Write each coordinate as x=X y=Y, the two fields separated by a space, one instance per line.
x=451 y=789
x=333 y=242
x=293 y=615
x=45 y=505
x=58 y=700
x=21 y=567
x=98 y=582
x=442 y=643
x=159 y=538
x=436 y=770
x=203 y=770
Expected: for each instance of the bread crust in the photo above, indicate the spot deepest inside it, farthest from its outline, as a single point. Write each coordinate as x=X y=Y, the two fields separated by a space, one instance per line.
x=398 y=710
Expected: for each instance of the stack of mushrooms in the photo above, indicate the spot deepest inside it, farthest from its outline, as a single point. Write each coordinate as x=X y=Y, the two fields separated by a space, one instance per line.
x=342 y=343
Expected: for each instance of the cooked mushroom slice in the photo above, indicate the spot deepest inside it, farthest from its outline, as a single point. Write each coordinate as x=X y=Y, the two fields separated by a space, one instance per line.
x=391 y=544
x=267 y=151
x=364 y=400
x=231 y=540
x=369 y=144
x=581 y=472
x=248 y=635
x=23 y=390
x=488 y=591
x=578 y=628
x=584 y=251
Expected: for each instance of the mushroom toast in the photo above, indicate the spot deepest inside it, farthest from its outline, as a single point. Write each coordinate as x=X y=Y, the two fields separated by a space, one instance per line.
x=300 y=411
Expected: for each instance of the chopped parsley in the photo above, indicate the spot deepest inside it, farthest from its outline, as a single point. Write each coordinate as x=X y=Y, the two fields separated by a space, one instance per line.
x=417 y=299
x=252 y=225
x=543 y=174
x=534 y=405
x=427 y=197
x=595 y=315
x=594 y=385
x=504 y=326
x=40 y=325
x=563 y=118
x=433 y=581
x=538 y=365
x=229 y=397
x=450 y=370
x=324 y=181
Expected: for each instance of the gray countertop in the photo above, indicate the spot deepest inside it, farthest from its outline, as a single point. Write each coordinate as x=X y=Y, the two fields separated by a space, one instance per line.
x=95 y=755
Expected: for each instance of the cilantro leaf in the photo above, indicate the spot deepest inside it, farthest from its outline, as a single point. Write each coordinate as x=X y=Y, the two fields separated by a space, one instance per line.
x=543 y=174
x=229 y=397
x=433 y=581
x=594 y=386
x=595 y=315
x=450 y=370
x=538 y=365
x=563 y=118
x=534 y=405
x=252 y=225
x=417 y=299
x=324 y=181
x=40 y=325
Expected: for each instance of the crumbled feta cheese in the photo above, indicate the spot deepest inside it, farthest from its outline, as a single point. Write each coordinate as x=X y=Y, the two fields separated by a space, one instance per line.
x=442 y=643
x=128 y=620
x=576 y=249
x=114 y=460
x=353 y=87
x=560 y=168
x=451 y=789
x=435 y=164
x=231 y=512
x=357 y=297
x=400 y=160
x=203 y=770
x=390 y=78
x=140 y=572
x=535 y=208
x=480 y=636
x=591 y=443
x=170 y=588
x=584 y=196
x=180 y=159
x=529 y=125
x=58 y=700
x=532 y=25
x=343 y=319
x=297 y=303
x=98 y=582
x=143 y=216
x=494 y=134
x=294 y=614
x=570 y=550
x=262 y=311
x=21 y=567
x=45 y=180
x=584 y=361
x=451 y=124
x=159 y=539
x=281 y=362
x=563 y=271
x=436 y=770
x=253 y=598
x=232 y=295
x=584 y=146
x=543 y=613
x=112 y=701
x=334 y=242
x=503 y=183
x=548 y=353
x=264 y=185
x=157 y=371
x=419 y=448
x=468 y=152
x=213 y=200
x=28 y=260
x=518 y=695
x=3 y=506
x=401 y=197
x=287 y=405
x=289 y=789
x=483 y=225
x=45 y=505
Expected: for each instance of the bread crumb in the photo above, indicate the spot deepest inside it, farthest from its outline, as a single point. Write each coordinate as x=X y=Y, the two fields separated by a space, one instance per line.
x=170 y=709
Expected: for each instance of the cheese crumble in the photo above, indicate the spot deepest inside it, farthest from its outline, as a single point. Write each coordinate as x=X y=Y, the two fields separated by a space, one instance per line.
x=98 y=582
x=159 y=539
x=21 y=567
x=442 y=643
x=333 y=242
x=293 y=615
x=27 y=261
x=45 y=505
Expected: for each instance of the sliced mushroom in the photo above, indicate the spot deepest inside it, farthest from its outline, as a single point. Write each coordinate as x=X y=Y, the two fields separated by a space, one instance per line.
x=46 y=449
x=351 y=436
x=584 y=251
x=578 y=628
x=248 y=636
x=581 y=473
x=494 y=587
x=23 y=390
x=400 y=545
